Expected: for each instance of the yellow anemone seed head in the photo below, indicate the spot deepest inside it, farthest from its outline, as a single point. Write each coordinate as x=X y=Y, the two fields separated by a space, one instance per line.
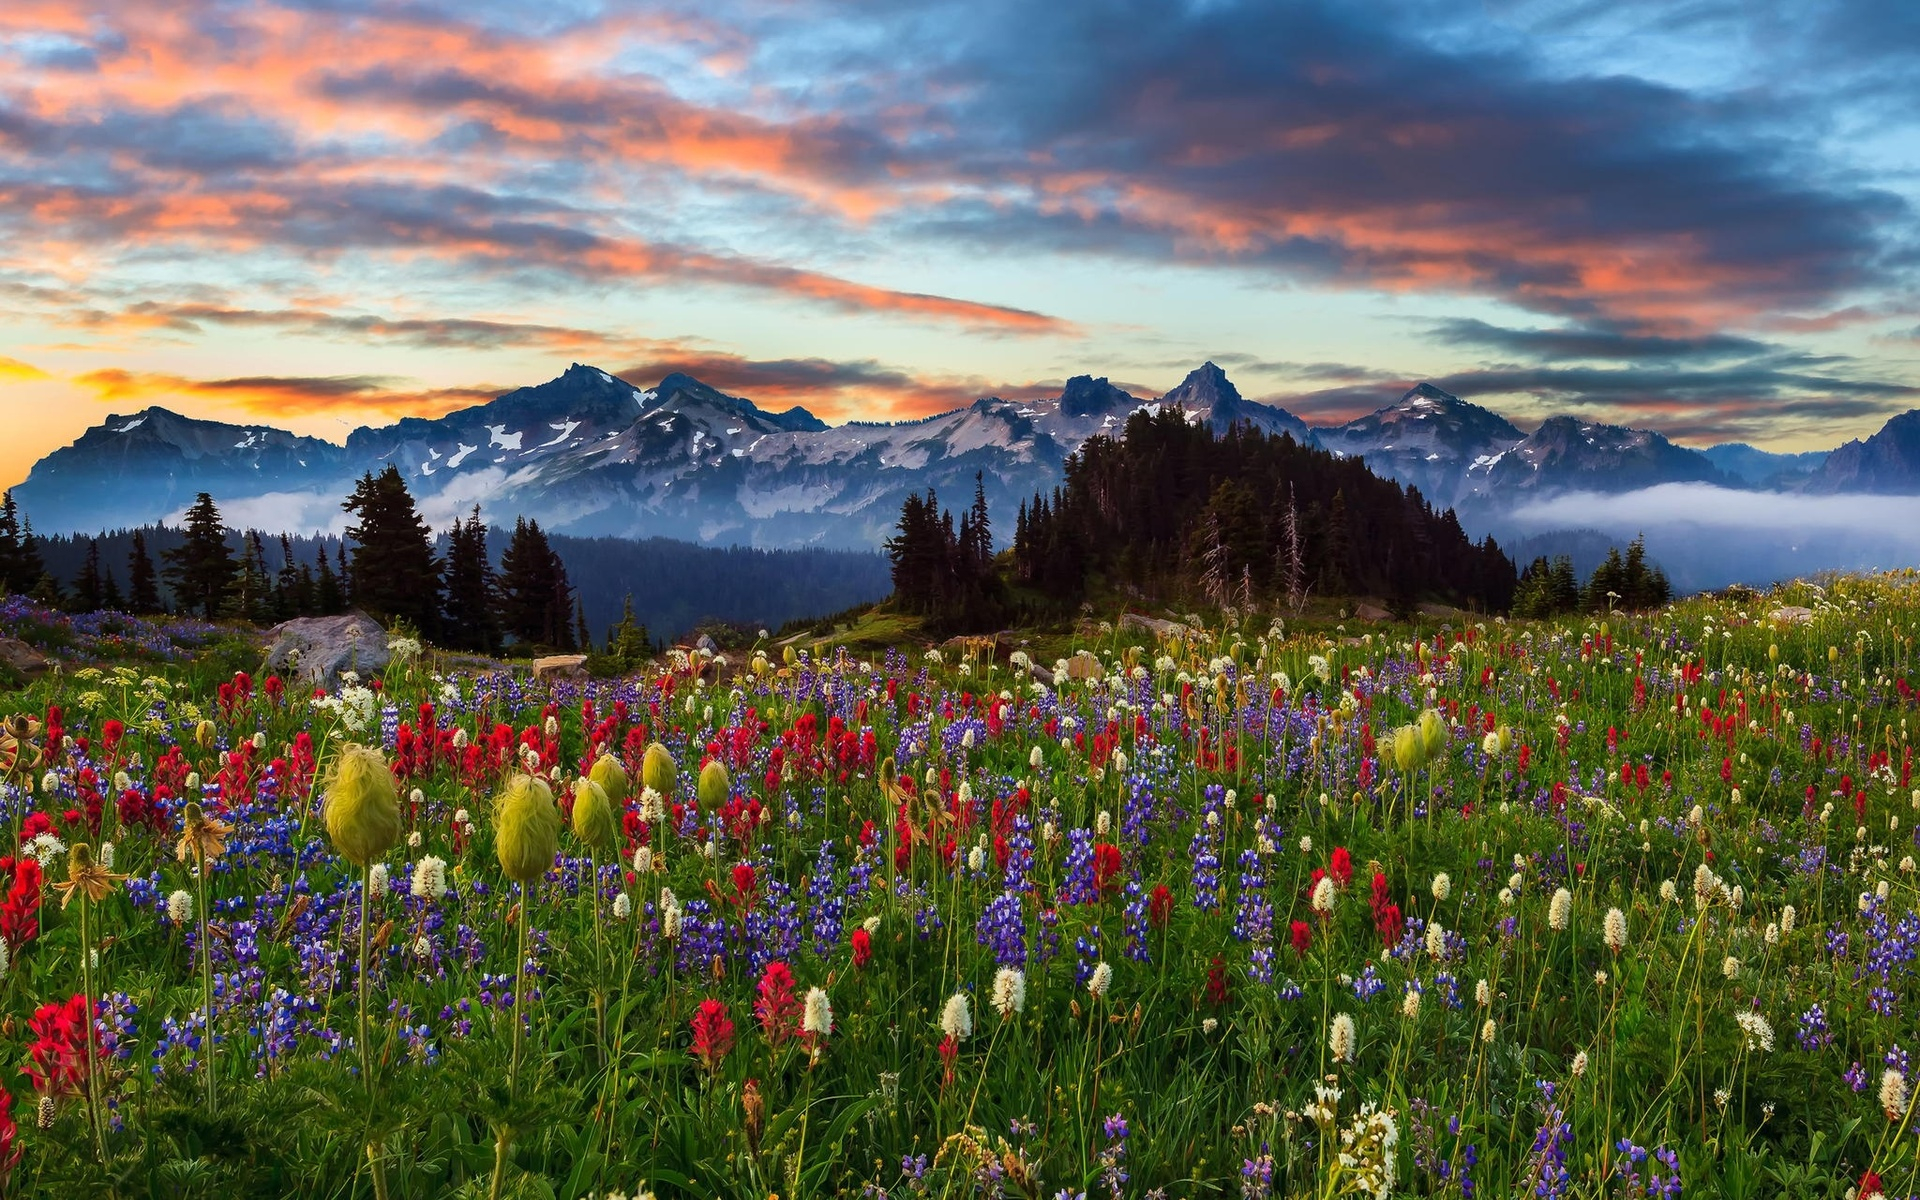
x=715 y=787
x=612 y=778
x=1433 y=732
x=657 y=769
x=203 y=734
x=526 y=828
x=1408 y=749
x=363 y=805
x=592 y=815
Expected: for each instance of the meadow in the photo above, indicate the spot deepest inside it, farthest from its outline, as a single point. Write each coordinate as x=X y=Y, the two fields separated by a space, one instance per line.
x=1615 y=906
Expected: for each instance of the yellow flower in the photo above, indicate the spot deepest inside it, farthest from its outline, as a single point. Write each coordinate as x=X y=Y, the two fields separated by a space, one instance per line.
x=85 y=875
x=201 y=837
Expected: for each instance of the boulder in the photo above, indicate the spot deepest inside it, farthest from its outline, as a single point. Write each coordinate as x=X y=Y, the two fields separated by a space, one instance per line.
x=1153 y=625
x=21 y=659
x=1083 y=665
x=1371 y=612
x=1790 y=614
x=318 y=649
x=560 y=666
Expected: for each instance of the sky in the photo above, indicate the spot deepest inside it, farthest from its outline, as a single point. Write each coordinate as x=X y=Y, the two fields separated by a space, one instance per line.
x=1691 y=215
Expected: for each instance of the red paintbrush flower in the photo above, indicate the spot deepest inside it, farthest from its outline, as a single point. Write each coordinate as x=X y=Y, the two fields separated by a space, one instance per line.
x=776 y=1007
x=712 y=1033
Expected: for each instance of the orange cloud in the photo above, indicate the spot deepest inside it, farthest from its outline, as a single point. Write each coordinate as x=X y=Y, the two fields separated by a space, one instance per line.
x=12 y=369
x=285 y=396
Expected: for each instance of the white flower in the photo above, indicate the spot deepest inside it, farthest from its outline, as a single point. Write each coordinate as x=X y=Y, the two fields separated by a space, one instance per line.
x=1560 y=911
x=1100 y=981
x=1730 y=967
x=956 y=1019
x=1580 y=1064
x=1893 y=1093
x=1323 y=894
x=871 y=924
x=622 y=907
x=1787 y=917
x=377 y=881
x=670 y=914
x=1486 y=1031
x=430 y=877
x=1616 y=930
x=1410 y=1005
x=643 y=861
x=415 y=841
x=1668 y=892
x=1306 y=845
x=422 y=947
x=1209 y=1025
x=1482 y=994
x=819 y=1015
x=45 y=848
x=976 y=860
x=1759 y=1031
x=1341 y=1038
x=1437 y=942
x=105 y=855
x=1009 y=991
x=180 y=907
x=1442 y=886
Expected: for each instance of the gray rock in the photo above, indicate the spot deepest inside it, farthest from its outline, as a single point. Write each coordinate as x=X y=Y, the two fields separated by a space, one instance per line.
x=318 y=649
x=1791 y=614
x=560 y=666
x=1152 y=625
x=22 y=659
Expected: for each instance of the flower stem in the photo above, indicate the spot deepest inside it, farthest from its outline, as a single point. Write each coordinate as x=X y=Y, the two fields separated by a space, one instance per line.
x=503 y=1139
x=206 y=982
x=377 y=1167
x=93 y=1063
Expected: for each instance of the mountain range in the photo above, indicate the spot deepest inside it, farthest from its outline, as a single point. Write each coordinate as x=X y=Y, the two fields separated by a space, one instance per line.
x=591 y=454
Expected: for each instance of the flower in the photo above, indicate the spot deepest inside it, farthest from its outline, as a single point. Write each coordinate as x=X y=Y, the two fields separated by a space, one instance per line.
x=956 y=1019
x=1341 y=1038
x=1758 y=1029
x=817 y=1020
x=622 y=907
x=84 y=875
x=526 y=829
x=657 y=769
x=1009 y=991
x=712 y=1033
x=1893 y=1093
x=1442 y=885
x=714 y=785
x=1560 y=910
x=1100 y=980
x=593 y=820
x=1730 y=967
x=1437 y=941
x=201 y=837
x=377 y=880
x=1580 y=1064
x=1616 y=930
x=362 y=806
x=1410 y=1005
x=430 y=878
x=1323 y=895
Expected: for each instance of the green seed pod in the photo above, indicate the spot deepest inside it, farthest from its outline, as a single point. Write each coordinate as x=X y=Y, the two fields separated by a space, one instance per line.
x=526 y=828
x=1433 y=732
x=657 y=769
x=1408 y=749
x=593 y=815
x=612 y=778
x=363 y=806
x=715 y=787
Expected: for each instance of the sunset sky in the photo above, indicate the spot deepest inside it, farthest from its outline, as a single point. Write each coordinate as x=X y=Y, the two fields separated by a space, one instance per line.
x=1694 y=216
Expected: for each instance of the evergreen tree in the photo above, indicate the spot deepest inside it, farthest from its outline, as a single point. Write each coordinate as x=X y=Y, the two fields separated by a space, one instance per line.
x=46 y=591
x=252 y=598
x=583 y=639
x=471 y=621
x=201 y=570
x=12 y=576
x=343 y=577
x=31 y=565
x=143 y=596
x=394 y=575
x=287 y=599
x=110 y=597
x=536 y=600
x=628 y=643
x=327 y=597
x=89 y=589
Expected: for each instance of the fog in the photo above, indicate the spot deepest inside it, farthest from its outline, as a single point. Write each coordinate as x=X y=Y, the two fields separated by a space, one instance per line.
x=1709 y=537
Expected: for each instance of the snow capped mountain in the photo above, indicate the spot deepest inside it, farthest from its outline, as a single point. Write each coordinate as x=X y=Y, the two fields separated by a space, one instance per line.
x=1886 y=463
x=1764 y=468
x=1427 y=438
x=592 y=454
x=1567 y=454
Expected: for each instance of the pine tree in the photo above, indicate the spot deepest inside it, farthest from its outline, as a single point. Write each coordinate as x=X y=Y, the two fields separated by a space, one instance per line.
x=143 y=596
x=110 y=597
x=471 y=621
x=535 y=599
x=32 y=565
x=394 y=575
x=327 y=597
x=89 y=589
x=628 y=643
x=13 y=576
x=201 y=570
x=583 y=639
x=287 y=600
x=252 y=597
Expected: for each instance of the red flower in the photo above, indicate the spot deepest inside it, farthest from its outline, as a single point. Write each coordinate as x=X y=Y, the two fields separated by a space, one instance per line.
x=1341 y=866
x=1390 y=924
x=59 y=1049
x=777 y=1008
x=743 y=883
x=712 y=1033
x=1869 y=1184
x=1302 y=937
x=1217 y=992
x=20 y=912
x=949 y=1051
x=1106 y=866
x=1160 y=906
x=862 y=947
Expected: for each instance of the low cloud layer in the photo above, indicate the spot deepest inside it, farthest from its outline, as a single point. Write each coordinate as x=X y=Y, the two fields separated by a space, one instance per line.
x=1708 y=537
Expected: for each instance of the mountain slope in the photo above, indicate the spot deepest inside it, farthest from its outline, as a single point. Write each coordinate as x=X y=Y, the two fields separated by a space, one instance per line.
x=1567 y=454
x=1887 y=463
x=1428 y=438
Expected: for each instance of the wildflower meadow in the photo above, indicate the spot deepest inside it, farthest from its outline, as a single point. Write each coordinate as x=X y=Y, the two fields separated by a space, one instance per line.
x=1611 y=906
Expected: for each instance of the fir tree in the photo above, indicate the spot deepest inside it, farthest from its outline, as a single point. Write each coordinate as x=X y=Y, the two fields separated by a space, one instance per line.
x=287 y=599
x=12 y=574
x=89 y=589
x=394 y=575
x=143 y=596
x=252 y=598
x=201 y=570
x=536 y=600
x=110 y=597
x=471 y=621
x=327 y=597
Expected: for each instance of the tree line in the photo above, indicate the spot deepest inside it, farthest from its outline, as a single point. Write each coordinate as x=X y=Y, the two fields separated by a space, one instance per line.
x=1629 y=581
x=1242 y=517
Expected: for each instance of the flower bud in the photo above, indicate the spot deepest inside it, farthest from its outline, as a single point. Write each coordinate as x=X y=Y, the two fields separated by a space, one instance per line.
x=657 y=769
x=715 y=787
x=362 y=806
x=593 y=815
x=1408 y=748
x=612 y=778
x=526 y=828
x=1433 y=732
x=203 y=734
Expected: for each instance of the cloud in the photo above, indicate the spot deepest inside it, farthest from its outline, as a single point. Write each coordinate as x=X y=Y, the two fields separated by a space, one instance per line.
x=285 y=396
x=1595 y=343
x=14 y=371
x=1708 y=537
x=828 y=388
x=429 y=333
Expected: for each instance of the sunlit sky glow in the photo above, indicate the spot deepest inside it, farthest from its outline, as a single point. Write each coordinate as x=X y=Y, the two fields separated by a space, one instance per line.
x=1697 y=217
